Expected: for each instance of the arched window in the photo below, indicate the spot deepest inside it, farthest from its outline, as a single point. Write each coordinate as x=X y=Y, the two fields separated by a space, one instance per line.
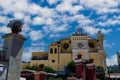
x=51 y=50
x=55 y=50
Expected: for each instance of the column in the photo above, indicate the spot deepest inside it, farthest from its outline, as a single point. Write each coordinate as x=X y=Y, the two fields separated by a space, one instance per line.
x=91 y=71
x=14 y=44
x=80 y=70
x=37 y=76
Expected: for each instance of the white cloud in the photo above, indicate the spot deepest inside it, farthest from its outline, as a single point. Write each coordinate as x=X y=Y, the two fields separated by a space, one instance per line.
x=49 y=21
x=61 y=28
x=46 y=29
x=116 y=17
x=112 y=60
x=3 y=19
x=109 y=22
x=92 y=30
x=106 y=31
x=25 y=30
x=26 y=57
x=14 y=6
x=80 y=18
x=24 y=6
x=38 y=20
x=55 y=28
x=67 y=5
x=54 y=35
x=28 y=52
x=52 y=1
x=101 y=6
x=36 y=35
x=108 y=44
x=19 y=15
x=34 y=9
x=38 y=44
x=5 y=30
x=41 y=20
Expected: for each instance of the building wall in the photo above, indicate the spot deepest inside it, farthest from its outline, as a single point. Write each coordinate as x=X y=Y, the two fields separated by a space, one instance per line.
x=95 y=56
x=118 y=58
x=62 y=52
x=24 y=64
x=39 y=54
x=38 y=62
x=64 y=60
x=53 y=61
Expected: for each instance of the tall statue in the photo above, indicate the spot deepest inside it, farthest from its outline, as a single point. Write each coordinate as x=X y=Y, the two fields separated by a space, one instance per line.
x=15 y=25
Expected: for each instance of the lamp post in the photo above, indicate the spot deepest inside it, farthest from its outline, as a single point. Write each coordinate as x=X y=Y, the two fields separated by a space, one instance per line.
x=108 y=72
x=58 y=55
x=1 y=53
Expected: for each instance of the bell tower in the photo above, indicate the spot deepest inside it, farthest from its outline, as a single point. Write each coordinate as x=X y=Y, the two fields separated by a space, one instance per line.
x=100 y=38
x=79 y=44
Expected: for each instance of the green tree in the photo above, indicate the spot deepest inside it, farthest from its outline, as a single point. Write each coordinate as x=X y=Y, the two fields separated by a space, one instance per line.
x=28 y=67
x=34 y=67
x=111 y=70
x=58 y=79
x=71 y=66
x=48 y=69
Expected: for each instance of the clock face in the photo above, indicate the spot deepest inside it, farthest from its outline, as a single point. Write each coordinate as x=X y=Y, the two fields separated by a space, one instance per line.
x=66 y=45
x=91 y=45
x=80 y=45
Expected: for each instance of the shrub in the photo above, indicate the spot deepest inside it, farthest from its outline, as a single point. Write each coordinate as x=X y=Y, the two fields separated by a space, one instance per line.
x=48 y=69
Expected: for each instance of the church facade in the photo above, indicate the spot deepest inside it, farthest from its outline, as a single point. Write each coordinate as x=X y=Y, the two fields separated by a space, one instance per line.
x=61 y=52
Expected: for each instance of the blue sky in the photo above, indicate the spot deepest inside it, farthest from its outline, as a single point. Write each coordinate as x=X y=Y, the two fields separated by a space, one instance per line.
x=46 y=21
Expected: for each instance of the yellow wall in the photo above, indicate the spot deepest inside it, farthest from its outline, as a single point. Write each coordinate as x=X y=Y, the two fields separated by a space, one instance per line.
x=24 y=64
x=96 y=58
x=99 y=59
x=63 y=56
x=82 y=53
x=54 y=57
x=39 y=53
x=38 y=62
x=64 y=60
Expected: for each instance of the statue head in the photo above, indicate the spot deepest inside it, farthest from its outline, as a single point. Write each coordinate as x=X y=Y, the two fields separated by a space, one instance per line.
x=15 y=25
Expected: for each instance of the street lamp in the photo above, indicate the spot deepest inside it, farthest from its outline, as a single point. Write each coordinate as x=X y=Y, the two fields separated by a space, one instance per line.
x=58 y=55
x=108 y=72
x=2 y=53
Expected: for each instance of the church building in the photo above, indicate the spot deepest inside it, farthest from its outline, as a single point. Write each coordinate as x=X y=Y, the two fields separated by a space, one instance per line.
x=61 y=52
